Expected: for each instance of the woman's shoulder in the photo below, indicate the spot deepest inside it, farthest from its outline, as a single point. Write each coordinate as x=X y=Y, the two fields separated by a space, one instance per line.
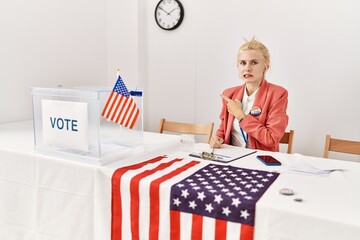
x=230 y=91
x=275 y=88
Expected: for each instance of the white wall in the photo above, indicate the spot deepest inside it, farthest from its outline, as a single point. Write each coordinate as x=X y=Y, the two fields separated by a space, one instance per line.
x=44 y=43
x=314 y=48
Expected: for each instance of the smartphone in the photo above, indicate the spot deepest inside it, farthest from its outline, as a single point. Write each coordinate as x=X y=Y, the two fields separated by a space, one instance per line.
x=269 y=160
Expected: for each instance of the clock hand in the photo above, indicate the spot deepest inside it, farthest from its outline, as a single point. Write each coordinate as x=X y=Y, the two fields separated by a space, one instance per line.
x=171 y=11
x=164 y=10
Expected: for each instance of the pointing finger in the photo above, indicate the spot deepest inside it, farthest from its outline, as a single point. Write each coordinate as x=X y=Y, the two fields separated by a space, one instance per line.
x=225 y=98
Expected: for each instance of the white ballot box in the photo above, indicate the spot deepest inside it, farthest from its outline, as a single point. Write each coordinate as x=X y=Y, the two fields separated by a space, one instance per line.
x=68 y=123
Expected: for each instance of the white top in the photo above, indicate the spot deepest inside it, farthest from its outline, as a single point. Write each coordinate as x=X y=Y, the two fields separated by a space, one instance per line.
x=237 y=138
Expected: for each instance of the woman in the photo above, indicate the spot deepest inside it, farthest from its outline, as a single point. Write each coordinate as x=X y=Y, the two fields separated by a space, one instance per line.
x=253 y=115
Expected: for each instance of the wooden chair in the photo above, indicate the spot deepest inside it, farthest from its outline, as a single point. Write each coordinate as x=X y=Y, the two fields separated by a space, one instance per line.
x=341 y=146
x=187 y=128
x=288 y=139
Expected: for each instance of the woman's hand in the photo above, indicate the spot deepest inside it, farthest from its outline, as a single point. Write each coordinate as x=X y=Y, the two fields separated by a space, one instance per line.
x=215 y=141
x=234 y=107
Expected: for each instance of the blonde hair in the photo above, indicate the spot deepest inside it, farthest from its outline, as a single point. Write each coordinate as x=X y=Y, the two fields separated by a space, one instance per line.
x=258 y=46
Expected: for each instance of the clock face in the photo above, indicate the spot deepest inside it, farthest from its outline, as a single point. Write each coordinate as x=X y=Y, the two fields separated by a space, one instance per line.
x=169 y=14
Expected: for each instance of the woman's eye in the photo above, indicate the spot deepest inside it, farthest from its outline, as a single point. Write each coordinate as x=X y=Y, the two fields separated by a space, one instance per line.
x=254 y=62
x=242 y=63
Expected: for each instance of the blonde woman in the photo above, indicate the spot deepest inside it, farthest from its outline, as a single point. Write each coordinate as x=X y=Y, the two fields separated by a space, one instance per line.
x=253 y=115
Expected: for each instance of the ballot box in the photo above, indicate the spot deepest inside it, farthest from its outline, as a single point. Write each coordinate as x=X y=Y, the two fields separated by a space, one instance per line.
x=68 y=123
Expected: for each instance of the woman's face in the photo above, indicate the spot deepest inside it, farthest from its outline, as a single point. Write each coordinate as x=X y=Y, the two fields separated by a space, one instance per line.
x=251 y=66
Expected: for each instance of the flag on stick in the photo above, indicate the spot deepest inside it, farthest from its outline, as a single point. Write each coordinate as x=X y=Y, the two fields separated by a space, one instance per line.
x=120 y=106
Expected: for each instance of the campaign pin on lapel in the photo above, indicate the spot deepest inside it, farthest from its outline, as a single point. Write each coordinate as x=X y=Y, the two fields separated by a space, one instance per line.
x=256 y=111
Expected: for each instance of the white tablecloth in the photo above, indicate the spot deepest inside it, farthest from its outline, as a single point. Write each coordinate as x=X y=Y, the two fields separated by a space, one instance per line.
x=47 y=198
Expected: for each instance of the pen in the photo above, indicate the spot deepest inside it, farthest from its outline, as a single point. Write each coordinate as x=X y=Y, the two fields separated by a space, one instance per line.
x=220 y=155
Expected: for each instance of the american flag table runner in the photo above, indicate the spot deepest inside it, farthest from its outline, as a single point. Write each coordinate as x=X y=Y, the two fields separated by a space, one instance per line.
x=174 y=198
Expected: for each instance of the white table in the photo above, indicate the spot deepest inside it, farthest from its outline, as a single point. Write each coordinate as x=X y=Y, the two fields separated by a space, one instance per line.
x=46 y=198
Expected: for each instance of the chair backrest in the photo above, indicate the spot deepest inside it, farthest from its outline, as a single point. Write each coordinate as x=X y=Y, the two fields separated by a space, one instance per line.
x=288 y=139
x=187 y=128
x=340 y=145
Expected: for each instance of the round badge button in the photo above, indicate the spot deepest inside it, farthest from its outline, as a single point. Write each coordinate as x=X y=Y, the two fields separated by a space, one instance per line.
x=286 y=192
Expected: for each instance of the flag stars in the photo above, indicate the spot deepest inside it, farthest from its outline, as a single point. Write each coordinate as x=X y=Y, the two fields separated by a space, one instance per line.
x=244 y=214
x=265 y=180
x=176 y=202
x=180 y=185
x=226 y=211
x=260 y=185
x=242 y=193
x=192 y=204
x=201 y=196
x=218 y=199
x=230 y=194
x=236 y=202
x=184 y=193
x=209 y=207
x=254 y=190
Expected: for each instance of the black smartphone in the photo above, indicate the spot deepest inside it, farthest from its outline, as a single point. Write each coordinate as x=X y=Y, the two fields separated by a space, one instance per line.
x=269 y=160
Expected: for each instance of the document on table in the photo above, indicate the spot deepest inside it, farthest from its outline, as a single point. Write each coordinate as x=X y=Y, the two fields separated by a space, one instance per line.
x=225 y=154
x=305 y=165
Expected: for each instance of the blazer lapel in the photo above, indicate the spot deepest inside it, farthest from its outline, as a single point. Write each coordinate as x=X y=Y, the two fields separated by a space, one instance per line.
x=238 y=94
x=261 y=94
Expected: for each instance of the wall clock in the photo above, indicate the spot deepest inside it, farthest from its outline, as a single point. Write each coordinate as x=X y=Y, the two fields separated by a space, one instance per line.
x=169 y=14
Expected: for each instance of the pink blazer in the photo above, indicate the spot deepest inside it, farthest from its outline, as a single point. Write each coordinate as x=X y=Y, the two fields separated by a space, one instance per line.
x=266 y=130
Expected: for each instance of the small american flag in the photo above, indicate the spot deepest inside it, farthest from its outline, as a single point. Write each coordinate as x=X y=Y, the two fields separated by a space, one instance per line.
x=167 y=198
x=120 y=106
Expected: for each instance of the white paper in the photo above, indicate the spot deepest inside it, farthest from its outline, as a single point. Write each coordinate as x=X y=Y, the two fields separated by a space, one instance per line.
x=65 y=124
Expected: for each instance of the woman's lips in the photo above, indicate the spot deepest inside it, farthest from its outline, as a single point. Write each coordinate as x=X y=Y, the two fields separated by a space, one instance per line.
x=247 y=75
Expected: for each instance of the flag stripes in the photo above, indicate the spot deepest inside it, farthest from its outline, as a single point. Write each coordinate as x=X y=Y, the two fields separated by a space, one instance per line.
x=141 y=205
x=120 y=107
